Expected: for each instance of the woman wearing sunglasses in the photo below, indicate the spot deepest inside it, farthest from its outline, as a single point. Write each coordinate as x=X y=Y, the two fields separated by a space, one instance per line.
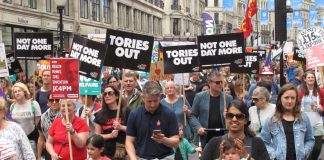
x=262 y=109
x=311 y=98
x=250 y=146
x=106 y=125
x=288 y=133
x=45 y=123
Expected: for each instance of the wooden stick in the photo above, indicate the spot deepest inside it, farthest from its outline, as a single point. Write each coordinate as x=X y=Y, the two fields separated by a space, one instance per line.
x=120 y=97
x=184 y=101
x=85 y=107
x=69 y=135
x=243 y=83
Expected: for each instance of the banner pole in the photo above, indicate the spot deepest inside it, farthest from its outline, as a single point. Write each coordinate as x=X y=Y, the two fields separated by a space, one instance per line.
x=85 y=107
x=69 y=135
x=120 y=96
x=225 y=108
x=184 y=101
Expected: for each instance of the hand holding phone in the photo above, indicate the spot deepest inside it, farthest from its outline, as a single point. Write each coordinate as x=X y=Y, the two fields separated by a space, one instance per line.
x=157 y=132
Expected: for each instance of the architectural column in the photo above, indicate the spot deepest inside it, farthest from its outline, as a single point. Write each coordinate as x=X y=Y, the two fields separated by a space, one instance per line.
x=114 y=14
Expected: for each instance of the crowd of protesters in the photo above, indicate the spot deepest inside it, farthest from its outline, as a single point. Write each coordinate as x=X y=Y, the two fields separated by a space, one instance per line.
x=219 y=115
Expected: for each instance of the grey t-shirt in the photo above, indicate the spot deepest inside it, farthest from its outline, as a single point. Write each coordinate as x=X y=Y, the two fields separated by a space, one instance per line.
x=24 y=116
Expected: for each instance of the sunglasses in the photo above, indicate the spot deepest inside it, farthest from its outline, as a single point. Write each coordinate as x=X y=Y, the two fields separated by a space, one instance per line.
x=53 y=100
x=239 y=116
x=217 y=82
x=110 y=93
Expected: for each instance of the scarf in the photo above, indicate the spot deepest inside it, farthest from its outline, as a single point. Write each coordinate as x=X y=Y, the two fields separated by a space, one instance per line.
x=47 y=119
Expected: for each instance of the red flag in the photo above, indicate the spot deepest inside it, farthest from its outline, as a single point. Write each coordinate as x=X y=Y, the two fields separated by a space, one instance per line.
x=247 y=26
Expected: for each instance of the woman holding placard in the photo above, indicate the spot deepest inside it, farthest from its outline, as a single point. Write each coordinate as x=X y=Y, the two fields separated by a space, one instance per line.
x=57 y=144
x=175 y=102
x=112 y=130
x=311 y=98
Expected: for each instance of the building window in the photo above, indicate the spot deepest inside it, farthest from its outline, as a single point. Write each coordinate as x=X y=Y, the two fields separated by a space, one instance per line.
x=107 y=11
x=175 y=2
x=216 y=3
x=176 y=26
x=216 y=18
x=66 y=8
x=96 y=10
x=48 y=5
x=7 y=1
x=32 y=4
x=84 y=9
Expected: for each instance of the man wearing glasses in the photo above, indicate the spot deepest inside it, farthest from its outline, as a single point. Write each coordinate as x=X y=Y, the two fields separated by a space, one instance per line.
x=208 y=109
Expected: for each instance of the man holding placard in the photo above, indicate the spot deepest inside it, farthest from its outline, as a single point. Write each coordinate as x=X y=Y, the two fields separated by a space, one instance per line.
x=208 y=110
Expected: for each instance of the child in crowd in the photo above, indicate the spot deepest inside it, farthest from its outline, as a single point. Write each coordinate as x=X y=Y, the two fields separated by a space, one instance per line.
x=181 y=153
x=95 y=148
x=230 y=151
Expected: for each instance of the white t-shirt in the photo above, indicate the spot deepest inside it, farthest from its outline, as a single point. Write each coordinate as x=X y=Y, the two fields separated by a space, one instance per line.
x=24 y=116
x=268 y=111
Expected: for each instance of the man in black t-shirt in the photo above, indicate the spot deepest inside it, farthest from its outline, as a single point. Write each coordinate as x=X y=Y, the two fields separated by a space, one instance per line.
x=42 y=93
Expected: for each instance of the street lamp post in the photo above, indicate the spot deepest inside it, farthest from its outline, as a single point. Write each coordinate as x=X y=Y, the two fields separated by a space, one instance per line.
x=282 y=7
x=60 y=8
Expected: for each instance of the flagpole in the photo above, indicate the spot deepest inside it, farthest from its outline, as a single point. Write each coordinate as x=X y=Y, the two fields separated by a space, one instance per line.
x=257 y=23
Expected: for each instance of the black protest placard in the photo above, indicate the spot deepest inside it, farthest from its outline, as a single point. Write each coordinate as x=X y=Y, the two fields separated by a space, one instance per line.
x=299 y=55
x=220 y=50
x=129 y=50
x=181 y=59
x=13 y=64
x=91 y=55
x=33 y=45
x=250 y=65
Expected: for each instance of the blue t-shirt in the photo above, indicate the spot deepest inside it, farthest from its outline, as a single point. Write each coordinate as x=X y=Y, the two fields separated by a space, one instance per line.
x=141 y=124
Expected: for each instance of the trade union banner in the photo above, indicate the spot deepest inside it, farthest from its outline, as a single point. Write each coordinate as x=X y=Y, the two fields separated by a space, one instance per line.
x=128 y=50
x=33 y=45
x=65 y=78
x=91 y=56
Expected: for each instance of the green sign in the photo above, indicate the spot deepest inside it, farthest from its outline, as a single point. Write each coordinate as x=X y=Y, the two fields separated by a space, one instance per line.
x=89 y=86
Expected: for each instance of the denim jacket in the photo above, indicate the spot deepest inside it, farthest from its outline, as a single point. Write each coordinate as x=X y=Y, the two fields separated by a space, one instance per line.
x=273 y=136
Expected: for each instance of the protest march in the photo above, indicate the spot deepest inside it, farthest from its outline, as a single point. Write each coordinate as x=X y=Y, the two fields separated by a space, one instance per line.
x=135 y=97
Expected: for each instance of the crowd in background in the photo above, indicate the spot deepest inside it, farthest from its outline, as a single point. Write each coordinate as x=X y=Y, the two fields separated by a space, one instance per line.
x=222 y=115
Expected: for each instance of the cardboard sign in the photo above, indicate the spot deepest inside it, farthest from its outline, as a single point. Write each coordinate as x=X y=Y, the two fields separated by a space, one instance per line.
x=181 y=59
x=65 y=78
x=181 y=79
x=4 y=72
x=89 y=86
x=33 y=45
x=13 y=64
x=43 y=65
x=157 y=65
x=299 y=55
x=128 y=50
x=311 y=42
x=91 y=56
x=251 y=64
x=220 y=50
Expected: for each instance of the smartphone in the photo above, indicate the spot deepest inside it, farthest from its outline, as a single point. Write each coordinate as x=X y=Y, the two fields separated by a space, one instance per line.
x=156 y=132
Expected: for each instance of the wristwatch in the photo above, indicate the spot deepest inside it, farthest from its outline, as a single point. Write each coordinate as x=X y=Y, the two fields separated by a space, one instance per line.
x=72 y=132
